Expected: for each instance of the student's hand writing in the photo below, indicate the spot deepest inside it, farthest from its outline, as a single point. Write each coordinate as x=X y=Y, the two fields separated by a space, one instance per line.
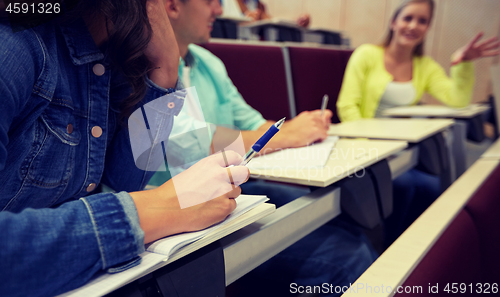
x=306 y=128
x=162 y=50
x=210 y=178
x=475 y=50
x=207 y=189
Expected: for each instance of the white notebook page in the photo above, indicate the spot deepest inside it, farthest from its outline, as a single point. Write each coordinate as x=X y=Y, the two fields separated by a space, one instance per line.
x=312 y=156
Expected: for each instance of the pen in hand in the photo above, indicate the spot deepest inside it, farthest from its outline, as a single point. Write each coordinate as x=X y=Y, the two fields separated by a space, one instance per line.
x=263 y=140
x=324 y=103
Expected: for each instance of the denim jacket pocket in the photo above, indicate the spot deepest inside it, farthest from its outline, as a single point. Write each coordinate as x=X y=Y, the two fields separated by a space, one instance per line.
x=48 y=166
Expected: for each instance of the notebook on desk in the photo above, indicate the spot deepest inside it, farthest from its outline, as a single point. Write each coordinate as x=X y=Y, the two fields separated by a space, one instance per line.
x=311 y=156
x=249 y=209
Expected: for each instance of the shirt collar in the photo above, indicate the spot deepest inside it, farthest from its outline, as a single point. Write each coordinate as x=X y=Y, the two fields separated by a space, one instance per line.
x=81 y=46
x=189 y=60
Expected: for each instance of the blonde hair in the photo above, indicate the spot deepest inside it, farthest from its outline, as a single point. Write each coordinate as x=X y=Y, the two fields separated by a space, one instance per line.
x=419 y=49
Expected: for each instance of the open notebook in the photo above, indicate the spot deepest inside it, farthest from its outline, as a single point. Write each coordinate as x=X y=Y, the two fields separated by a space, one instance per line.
x=249 y=209
x=311 y=156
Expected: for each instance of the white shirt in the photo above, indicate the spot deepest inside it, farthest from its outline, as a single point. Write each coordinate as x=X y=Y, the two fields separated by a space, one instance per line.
x=396 y=94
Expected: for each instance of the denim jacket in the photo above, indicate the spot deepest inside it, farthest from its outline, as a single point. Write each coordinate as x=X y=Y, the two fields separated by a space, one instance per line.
x=59 y=139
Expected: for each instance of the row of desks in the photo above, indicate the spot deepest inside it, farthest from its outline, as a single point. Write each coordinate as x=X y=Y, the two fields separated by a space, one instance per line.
x=398 y=262
x=253 y=245
x=393 y=140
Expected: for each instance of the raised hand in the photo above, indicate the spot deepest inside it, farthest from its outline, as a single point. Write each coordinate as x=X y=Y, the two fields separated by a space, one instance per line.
x=475 y=49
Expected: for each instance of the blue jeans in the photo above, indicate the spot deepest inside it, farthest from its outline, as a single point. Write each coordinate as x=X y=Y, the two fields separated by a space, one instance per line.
x=335 y=254
x=413 y=192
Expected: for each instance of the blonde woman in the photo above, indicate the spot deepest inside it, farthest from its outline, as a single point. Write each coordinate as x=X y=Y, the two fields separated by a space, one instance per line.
x=397 y=73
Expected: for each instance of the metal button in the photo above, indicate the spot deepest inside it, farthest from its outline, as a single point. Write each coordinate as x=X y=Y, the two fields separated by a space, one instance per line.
x=98 y=69
x=69 y=128
x=96 y=131
x=91 y=187
x=171 y=105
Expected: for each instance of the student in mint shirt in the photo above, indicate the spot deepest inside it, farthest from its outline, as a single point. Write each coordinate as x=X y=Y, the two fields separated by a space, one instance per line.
x=336 y=253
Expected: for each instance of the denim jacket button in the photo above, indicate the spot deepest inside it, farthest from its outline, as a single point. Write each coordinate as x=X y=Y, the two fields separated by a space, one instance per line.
x=96 y=131
x=171 y=105
x=69 y=128
x=98 y=69
x=91 y=187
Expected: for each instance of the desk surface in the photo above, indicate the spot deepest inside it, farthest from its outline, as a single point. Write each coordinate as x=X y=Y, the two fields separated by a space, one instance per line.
x=236 y=19
x=394 y=266
x=493 y=151
x=439 y=111
x=346 y=158
x=411 y=130
x=274 y=21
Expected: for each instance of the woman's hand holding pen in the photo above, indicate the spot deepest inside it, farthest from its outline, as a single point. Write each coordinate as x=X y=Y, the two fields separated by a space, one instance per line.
x=306 y=128
x=193 y=200
x=475 y=50
x=162 y=50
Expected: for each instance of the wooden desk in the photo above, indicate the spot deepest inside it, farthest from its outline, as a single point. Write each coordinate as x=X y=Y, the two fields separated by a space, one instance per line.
x=346 y=158
x=273 y=21
x=253 y=245
x=464 y=116
x=493 y=152
x=394 y=266
x=411 y=130
x=237 y=19
x=438 y=111
x=256 y=243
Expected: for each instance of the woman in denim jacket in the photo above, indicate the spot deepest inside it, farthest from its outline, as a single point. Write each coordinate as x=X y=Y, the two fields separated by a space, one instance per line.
x=65 y=89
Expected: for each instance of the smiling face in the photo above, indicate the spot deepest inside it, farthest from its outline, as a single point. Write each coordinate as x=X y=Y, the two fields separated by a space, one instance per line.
x=411 y=25
x=195 y=20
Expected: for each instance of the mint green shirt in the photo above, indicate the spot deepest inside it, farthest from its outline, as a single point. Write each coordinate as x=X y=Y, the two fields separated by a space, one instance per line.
x=221 y=104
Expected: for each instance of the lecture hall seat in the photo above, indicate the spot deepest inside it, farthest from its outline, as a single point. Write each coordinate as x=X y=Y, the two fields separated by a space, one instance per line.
x=315 y=72
x=468 y=250
x=259 y=74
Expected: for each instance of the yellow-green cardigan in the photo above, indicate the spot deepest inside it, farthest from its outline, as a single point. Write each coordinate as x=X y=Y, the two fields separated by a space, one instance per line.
x=366 y=78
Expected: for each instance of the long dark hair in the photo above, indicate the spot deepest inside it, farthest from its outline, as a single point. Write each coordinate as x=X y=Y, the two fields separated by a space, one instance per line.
x=419 y=49
x=128 y=39
x=129 y=36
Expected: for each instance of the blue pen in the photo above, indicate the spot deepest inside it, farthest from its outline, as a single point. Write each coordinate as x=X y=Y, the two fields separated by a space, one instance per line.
x=263 y=140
